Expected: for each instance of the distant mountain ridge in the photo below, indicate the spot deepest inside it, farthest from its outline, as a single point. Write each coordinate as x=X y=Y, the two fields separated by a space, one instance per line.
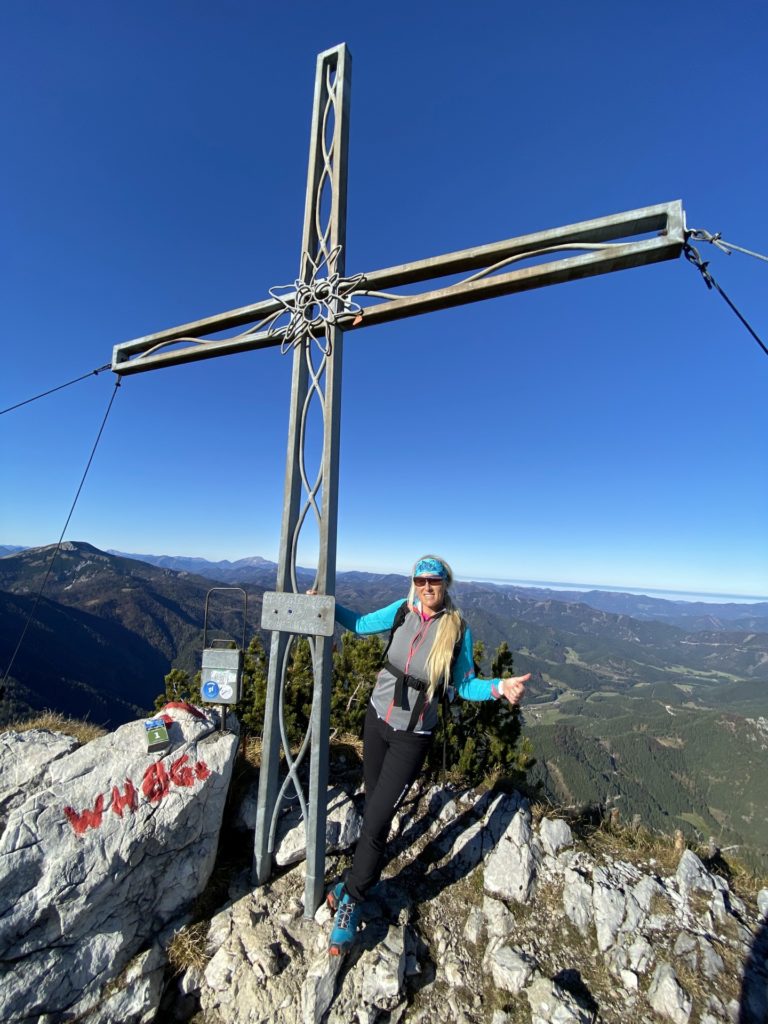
x=9 y=549
x=696 y=615
x=200 y=566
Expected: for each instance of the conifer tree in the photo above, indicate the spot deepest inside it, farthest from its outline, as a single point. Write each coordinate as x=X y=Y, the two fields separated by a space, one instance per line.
x=355 y=666
x=178 y=687
x=254 y=692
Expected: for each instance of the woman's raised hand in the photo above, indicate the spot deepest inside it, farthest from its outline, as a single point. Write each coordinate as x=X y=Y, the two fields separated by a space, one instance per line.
x=513 y=687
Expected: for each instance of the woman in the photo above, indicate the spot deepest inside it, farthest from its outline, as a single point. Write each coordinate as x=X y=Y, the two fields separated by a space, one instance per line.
x=430 y=648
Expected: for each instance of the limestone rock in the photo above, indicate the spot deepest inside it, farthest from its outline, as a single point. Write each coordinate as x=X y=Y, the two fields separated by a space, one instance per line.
x=105 y=849
x=318 y=988
x=551 y=1004
x=510 y=968
x=136 y=999
x=577 y=900
x=24 y=758
x=555 y=835
x=342 y=829
x=666 y=995
x=762 y=903
x=463 y=845
x=691 y=875
x=383 y=970
x=499 y=921
x=475 y=923
x=510 y=870
x=711 y=962
x=609 y=905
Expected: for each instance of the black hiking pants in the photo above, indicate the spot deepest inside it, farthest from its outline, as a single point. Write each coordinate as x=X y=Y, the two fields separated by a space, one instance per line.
x=392 y=760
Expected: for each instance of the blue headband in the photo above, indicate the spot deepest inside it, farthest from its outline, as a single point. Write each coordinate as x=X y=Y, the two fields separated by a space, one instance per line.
x=430 y=567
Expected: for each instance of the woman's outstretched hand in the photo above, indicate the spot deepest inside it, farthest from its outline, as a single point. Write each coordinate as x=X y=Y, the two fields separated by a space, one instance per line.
x=513 y=687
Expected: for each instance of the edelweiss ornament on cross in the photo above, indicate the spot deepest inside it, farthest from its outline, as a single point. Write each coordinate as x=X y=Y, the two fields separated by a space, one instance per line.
x=310 y=317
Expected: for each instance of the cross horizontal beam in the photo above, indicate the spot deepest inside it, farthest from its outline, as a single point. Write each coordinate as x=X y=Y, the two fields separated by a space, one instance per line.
x=603 y=255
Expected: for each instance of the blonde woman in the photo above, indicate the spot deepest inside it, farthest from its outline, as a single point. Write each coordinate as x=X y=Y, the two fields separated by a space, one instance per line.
x=430 y=648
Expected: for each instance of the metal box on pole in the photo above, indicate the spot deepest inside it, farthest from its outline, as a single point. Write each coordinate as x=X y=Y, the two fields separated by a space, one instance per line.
x=222 y=671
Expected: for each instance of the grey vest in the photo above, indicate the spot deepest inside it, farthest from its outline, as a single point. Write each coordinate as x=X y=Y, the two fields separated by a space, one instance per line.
x=408 y=652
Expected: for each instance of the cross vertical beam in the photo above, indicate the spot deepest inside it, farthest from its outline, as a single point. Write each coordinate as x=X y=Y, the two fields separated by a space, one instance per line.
x=316 y=375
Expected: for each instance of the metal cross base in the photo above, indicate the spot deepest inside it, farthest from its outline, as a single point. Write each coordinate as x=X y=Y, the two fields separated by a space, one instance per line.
x=309 y=318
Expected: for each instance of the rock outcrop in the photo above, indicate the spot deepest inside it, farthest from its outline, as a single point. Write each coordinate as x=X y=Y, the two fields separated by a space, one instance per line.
x=486 y=914
x=102 y=847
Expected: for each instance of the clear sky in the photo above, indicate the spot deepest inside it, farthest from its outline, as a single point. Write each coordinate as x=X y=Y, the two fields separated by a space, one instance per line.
x=608 y=431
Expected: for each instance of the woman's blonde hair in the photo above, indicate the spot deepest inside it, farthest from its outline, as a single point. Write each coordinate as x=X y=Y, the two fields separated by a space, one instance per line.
x=448 y=631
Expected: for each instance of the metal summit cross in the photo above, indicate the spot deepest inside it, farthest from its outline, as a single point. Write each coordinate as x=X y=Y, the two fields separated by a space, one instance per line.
x=310 y=317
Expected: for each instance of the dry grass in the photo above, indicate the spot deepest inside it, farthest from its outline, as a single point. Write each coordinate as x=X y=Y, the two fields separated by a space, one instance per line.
x=187 y=948
x=635 y=843
x=743 y=880
x=84 y=732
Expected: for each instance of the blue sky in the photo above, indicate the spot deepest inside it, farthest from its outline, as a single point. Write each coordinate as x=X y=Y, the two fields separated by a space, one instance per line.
x=608 y=431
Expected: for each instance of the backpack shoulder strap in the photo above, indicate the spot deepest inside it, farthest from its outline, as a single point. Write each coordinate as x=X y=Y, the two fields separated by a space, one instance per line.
x=399 y=619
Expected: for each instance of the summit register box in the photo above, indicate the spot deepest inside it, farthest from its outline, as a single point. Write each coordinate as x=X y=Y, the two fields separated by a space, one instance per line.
x=222 y=675
x=221 y=679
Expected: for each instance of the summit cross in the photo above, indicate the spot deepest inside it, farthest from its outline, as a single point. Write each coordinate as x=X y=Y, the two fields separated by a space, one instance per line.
x=310 y=317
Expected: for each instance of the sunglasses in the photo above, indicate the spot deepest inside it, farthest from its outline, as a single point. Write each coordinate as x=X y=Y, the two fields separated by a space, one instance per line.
x=421 y=581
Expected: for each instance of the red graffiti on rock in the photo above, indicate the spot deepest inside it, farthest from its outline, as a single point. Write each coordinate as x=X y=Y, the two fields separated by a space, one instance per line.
x=155 y=785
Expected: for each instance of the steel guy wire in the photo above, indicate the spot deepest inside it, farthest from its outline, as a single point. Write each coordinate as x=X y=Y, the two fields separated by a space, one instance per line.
x=64 y=530
x=693 y=256
x=93 y=373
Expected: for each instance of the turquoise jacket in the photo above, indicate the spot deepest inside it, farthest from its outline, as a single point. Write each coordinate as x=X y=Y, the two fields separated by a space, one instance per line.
x=408 y=653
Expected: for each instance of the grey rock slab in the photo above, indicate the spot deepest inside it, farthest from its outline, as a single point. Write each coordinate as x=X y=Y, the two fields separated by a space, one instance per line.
x=577 y=900
x=645 y=890
x=24 y=758
x=136 y=997
x=640 y=955
x=667 y=997
x=465 y=847
x=342 y=829
x=762 y=903
x=609 y=906
x=711 y=963
x=318 y=987
x=551 y=1004
x=510 y=870
x=499 y=1017
x=384 y=970
x=111 y=847
x=509 y=967
x=628 y=979
x=555 y=835
x=686 y=949
x=691 y=875
x=499 y=921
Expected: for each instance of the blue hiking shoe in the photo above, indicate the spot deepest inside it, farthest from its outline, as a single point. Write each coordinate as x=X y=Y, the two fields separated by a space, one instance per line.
x=345 y=924
x=333 y=897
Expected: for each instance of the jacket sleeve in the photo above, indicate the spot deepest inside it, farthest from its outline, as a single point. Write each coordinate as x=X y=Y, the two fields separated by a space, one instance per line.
x=468 y=686
x=373 y=622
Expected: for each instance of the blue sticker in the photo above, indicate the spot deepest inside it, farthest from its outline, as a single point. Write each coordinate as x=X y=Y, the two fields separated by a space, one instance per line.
x=210 y=690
